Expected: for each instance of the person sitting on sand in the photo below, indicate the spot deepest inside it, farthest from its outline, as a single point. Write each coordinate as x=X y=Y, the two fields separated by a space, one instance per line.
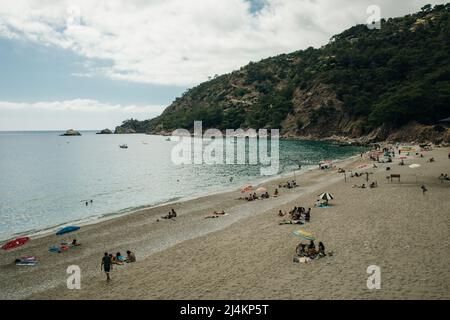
x=308 y=215
x=120 y=257
x=130 y=257
x=374 y=184
x=75 y=243
x=275 y=194
x=301 y=249
x=321 y=250
x=115 y=260
x=296 y=215
x=173 y=214
x=431 y=160
x=255 y=197
x=281 y=214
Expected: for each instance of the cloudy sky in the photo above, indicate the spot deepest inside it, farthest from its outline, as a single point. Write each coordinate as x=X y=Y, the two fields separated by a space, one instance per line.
x=87 y=64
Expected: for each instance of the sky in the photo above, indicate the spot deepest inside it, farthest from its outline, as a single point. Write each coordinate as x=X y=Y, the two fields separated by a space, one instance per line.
x=89 y=65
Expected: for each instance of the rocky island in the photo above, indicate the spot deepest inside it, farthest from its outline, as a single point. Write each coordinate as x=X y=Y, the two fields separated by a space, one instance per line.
x=71 y=133
x=105 y=131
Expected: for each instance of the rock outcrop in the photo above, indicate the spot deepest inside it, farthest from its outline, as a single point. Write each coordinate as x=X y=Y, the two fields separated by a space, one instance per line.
x=71 y=132
x=105 y=131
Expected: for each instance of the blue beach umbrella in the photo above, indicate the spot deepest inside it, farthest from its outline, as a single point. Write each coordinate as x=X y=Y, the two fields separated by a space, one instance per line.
x=67 y=230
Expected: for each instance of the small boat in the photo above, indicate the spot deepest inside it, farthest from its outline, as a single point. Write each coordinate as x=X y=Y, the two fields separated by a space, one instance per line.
x=123 y=146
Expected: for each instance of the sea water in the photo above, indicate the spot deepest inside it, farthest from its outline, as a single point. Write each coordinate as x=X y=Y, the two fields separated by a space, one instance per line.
x=46 y=179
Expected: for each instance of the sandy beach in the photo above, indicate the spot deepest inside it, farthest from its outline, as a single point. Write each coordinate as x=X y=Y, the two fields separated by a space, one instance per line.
x=248 y=255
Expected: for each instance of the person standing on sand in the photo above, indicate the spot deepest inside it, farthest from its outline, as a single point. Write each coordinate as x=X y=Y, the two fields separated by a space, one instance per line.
x=106 y=265
x=424 y=189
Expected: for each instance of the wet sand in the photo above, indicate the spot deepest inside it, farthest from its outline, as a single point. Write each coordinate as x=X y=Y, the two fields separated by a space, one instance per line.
x=247 y=255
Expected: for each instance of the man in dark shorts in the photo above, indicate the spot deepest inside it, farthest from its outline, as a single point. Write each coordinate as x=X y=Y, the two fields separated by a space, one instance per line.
x=106 y=265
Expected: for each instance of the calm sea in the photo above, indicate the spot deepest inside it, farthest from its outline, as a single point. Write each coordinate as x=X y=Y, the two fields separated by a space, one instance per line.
x=46 y=179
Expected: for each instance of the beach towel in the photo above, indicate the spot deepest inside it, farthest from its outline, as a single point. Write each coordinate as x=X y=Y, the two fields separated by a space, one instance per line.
x=25 y=263
x=55 y=249
x=290 y=222
x=301 y=259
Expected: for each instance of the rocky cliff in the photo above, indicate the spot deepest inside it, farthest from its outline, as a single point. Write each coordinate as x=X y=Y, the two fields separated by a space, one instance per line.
x=366 y=84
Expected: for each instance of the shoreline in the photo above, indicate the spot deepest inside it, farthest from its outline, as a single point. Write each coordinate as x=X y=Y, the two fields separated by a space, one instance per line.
x=83 y=222
x=101 y=236
x=247 y=255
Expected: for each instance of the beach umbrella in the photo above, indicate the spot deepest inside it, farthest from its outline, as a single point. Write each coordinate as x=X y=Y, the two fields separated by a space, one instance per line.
x=67 y=230
x=326 y=196
x=304 y=235
x=261 y=190
x=247 y=188
x=15 y=243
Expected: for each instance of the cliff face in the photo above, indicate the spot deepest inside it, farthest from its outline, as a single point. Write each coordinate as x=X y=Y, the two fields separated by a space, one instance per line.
x=366 y=84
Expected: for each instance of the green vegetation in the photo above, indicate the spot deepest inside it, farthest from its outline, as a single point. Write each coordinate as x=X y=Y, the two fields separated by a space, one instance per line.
x=389 y=76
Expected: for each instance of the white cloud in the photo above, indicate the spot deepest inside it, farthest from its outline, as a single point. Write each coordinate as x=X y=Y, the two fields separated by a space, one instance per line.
x=84 y=105
x=182 y=42
x=78 y=113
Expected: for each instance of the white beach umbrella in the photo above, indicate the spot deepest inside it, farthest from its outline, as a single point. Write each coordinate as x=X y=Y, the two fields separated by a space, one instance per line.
x=326 y=196
x=261 y=190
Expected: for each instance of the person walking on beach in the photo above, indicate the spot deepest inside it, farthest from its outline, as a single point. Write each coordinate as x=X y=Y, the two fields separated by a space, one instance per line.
x=424 y=189
x=106 y=265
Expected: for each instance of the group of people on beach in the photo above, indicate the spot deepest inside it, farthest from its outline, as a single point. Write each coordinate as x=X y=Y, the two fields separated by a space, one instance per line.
x=264 y=195
x=310 y=251
x=172 y=214
x=297 y=214
x=289 y=184
x=444 y=177
x=109 y=260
